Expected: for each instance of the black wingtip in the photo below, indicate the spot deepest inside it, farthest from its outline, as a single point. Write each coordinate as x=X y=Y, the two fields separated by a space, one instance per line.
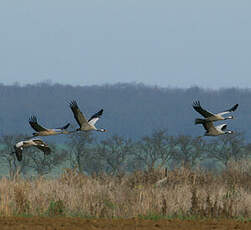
x=73 y=103
x=33 y=119
x=196 y=104
x=66 y=126
x=99 y=113
x=234 y=107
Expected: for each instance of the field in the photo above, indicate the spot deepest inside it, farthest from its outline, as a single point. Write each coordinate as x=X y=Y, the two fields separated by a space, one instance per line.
x=57 y=223
x=141 y=200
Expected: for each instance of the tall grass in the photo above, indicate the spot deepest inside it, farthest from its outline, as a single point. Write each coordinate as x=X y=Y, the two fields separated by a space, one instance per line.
x=185 y=192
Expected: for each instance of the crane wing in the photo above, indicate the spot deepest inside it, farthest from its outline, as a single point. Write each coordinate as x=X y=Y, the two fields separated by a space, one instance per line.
x=208 y=125
x=95 y=117
x=35 y=125
x=78 y=115
x=64 y=127
x=229 y=110
x=18 y=151
x=199 y=109
x=42 y=146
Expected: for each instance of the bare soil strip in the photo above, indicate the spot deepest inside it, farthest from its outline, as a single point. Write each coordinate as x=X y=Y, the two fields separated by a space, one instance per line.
x=64 y=223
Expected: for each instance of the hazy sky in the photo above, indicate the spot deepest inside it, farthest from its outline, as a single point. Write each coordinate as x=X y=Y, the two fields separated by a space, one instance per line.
x=178 y=43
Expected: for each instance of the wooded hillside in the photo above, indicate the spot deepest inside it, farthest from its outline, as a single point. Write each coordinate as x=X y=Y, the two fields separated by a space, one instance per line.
x=130 y=110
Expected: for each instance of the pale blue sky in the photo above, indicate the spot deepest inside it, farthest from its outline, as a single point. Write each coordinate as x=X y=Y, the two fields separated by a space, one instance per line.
x=179 y=43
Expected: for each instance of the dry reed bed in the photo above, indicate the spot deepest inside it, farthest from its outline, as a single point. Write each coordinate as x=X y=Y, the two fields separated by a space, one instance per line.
x=185 y=193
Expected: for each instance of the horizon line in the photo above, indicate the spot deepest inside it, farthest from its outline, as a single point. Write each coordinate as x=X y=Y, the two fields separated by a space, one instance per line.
x=142 y=84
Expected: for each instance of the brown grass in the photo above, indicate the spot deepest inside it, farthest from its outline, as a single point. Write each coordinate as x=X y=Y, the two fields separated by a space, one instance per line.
x=186 y=192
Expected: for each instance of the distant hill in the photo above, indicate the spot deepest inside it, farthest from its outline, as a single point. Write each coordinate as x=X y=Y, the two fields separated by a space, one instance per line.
x=131 y=110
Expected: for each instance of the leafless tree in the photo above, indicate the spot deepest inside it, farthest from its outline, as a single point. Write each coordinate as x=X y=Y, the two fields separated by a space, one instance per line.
x=154 y=151
x=114 y=152
x=228 y=147
x=188 y=150
x=43 y=164
x=80 y=153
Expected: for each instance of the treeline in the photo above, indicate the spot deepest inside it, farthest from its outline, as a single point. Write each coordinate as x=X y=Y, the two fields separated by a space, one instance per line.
x=117 y=155
x=130 y=110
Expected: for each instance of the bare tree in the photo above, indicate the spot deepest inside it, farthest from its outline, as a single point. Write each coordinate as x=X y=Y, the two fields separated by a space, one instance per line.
x=81 y=149
x=228 y=147
x=43 y=164
x=114 y=152
x=154 y=151
x=188 y=150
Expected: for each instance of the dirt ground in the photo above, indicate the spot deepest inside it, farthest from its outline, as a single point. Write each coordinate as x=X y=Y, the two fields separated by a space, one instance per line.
x=56 y=223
